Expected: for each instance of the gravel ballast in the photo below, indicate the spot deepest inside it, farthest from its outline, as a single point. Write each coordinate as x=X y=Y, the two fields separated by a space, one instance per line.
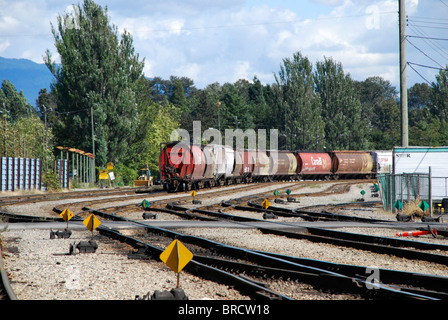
x=40 y=268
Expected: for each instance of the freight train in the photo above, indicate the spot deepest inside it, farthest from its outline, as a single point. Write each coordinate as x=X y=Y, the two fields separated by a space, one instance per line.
x=186 y=166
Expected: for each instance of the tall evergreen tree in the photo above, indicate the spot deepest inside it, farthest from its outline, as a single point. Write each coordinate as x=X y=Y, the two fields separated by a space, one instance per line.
x=301 y=107
x=341 y=108
x=439 y=96
x=178 y=97
x=97 y=79
x=14 y=103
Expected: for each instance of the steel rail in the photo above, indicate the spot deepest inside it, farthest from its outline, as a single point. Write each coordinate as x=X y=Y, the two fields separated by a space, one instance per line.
x=435 y=286
x=7 y=293
x=339 y=280
x=21 y=199
x=314 y=215
x=375 y=244
x=15 y=217
x=195 y=267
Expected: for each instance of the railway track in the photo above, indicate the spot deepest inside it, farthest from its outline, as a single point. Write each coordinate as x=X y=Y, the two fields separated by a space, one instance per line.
x=213 y=258
x=256 y=263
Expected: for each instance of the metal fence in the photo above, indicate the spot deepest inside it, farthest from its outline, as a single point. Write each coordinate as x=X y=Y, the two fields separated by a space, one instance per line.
x=20 y=174
x=407 y=187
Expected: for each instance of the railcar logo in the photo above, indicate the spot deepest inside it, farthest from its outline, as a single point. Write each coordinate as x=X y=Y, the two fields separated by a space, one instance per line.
x=316 y=162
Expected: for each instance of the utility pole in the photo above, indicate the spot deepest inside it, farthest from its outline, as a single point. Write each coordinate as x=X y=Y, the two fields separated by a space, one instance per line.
x=403 y=83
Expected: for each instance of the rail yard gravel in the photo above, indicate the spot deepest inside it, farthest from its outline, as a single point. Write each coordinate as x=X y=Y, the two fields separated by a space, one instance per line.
x=40 y=268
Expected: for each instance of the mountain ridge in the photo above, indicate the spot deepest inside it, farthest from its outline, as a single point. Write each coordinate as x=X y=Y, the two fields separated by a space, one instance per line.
x=27 y=76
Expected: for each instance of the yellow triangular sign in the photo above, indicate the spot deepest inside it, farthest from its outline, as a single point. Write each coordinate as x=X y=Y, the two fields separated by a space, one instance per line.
x=176 y=256
x=66 y=215
x=92 y=222
x=265 y=203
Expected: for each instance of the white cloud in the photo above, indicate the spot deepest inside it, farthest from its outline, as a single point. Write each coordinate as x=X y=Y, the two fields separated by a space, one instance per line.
x=4 y=45
x=211 y=41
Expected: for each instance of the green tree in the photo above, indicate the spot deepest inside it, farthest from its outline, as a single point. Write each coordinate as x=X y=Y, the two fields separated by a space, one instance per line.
x=341 y=108
x=380 y=109
x=419 y=96
x=439 y=96
x=257 y=104
x=26 y=137
x=178 y=97
x=14 y=103
x=303 y=126
x=97 y=79
x=157 y=122
x=234 y=110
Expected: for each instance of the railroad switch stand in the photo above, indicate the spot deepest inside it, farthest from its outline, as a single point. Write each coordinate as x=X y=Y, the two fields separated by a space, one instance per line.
x=141 y=253
x=147 y=215
x=269 y=215
x=84 y=247
x=60 y=234
x=173 y=294
x=405 y=217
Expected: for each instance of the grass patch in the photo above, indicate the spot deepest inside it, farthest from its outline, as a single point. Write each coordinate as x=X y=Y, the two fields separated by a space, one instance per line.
x=412 y=207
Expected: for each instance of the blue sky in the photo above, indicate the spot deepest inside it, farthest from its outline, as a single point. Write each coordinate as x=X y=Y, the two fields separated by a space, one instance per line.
x=223 y=41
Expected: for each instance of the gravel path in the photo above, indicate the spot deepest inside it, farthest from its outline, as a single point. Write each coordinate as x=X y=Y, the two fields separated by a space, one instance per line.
x=41 y=269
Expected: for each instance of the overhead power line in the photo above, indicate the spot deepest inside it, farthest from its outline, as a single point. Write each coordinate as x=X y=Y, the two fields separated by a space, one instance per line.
x=427 y=18
x=429 y=67
x=426 y=38
x=410 y=65
x=430 y=38
x=425 y=54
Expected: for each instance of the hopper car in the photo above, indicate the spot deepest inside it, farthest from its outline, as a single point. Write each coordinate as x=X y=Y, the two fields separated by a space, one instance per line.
x=185 y=166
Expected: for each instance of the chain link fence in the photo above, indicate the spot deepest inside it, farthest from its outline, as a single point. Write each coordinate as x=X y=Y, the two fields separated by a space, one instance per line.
x=408 y=187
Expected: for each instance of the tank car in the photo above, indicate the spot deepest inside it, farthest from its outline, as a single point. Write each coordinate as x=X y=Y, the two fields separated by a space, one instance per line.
x=282 y=165
x=314 y=165
x=182 y=166
x=352 y=164
x=223 y=158
x=248 y=164
x=237 y=170
x=185 y=166
x=261 y=166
